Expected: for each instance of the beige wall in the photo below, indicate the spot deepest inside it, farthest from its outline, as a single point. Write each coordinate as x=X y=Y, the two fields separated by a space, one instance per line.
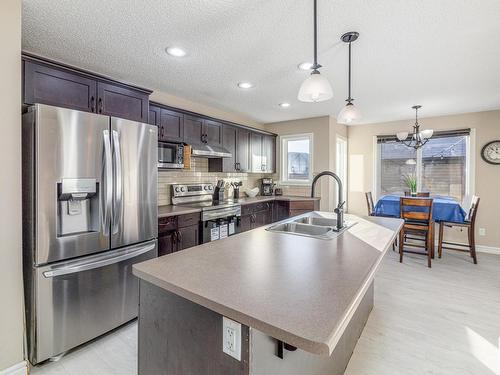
x=175 y=101
x=11 y=291
x=487 y=177
x=324 y=130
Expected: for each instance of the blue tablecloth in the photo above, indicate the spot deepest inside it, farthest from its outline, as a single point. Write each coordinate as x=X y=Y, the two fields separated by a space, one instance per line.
x=443 y=208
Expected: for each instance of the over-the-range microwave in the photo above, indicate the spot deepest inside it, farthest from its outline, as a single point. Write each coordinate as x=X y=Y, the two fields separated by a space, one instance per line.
x=170 y=155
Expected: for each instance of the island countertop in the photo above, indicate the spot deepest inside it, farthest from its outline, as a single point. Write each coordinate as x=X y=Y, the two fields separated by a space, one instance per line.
x=297 y=289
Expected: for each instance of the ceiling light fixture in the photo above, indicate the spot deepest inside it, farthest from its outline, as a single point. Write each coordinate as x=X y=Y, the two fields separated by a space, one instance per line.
x=284 y=105
x=349 y=114
x=305 y=66
x=175 y=51
x=418 y=138
x=316 y=87
x=245 y=85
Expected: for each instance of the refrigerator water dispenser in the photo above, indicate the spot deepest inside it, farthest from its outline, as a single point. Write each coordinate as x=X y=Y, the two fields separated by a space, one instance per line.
x=78 y=206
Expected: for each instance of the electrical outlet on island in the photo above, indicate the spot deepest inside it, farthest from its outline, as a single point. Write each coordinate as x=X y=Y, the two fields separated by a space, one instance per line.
x=231 y=338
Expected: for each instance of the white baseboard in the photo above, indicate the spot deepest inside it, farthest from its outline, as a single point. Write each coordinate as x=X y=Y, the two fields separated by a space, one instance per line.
x=20 y=368
x=488 y=249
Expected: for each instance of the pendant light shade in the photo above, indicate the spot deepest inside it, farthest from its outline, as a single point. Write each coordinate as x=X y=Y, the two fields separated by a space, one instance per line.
x=314 y=89
x=349 y=114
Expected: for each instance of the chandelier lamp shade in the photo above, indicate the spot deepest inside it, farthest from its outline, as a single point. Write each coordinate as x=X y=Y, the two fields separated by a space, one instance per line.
x=316 y=88
x=418 y=138
x=350 y=114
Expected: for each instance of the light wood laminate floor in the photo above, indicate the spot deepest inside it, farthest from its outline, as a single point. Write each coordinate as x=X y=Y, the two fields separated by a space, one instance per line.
x=443 y=320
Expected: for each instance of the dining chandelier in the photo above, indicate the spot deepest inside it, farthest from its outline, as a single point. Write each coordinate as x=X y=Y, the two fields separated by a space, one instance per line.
x=418 y=138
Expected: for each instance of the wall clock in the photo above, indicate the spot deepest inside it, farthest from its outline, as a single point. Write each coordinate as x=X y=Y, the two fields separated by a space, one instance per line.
x=491 y=152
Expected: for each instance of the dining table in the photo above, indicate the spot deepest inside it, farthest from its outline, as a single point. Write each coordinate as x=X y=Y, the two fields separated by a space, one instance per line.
x=444 y=208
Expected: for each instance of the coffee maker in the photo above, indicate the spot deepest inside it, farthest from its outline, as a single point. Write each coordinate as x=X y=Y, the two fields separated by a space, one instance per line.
x=266 y=186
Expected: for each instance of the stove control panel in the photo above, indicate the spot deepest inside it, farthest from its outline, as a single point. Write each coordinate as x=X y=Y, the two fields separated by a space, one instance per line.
x=190 y=190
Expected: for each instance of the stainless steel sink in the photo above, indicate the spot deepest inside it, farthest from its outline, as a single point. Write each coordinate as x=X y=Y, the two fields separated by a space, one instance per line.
x=312 y=225
x=321 y=221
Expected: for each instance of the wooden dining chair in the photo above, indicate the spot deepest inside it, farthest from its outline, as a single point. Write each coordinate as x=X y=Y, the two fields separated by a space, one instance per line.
x=369 y=203
x=470 y=224
x=417 y=214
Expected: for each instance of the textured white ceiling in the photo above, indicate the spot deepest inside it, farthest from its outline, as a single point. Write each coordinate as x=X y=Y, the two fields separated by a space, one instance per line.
x=443 y=54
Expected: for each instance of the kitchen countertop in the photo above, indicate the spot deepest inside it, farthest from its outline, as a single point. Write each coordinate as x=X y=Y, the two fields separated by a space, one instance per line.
x=171 y=210
x=174 y=210
x=297 y=289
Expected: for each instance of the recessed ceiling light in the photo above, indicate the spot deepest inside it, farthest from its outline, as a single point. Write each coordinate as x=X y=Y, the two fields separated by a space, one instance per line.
x=245 y=85
x=305 y=66
x=284 y=105
x=175 y=51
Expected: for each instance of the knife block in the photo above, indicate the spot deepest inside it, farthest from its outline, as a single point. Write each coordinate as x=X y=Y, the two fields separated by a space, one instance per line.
x=218 y=194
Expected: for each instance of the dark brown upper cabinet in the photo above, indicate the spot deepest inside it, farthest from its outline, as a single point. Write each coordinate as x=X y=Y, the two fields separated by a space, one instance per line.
x=237 y=141
x=55 y=84
x=46 y=85
x=154 y=116
x=256 y=165
x=198 y=130
x=193 y=130
x=118 y=101
x=243 y=150
x=171 y=127
x=269 y=153
x=213 y=132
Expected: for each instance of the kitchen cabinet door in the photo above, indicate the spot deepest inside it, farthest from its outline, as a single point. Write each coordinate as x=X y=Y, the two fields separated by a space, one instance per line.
x=246 y=223
x=212 y=131
x=243 y=150
x=166 y=243
x=119 y=101
x=188 y=237
x=256 y=153
x=171 y=126
x=269 y=153
x=58 y=87
x=229 y=143
x=193 y=130
x=154 y=117
x=261 y=218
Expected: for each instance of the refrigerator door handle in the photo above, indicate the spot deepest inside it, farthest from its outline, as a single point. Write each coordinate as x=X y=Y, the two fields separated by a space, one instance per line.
x=118 y=196
x=103 y=261
x=109 y=181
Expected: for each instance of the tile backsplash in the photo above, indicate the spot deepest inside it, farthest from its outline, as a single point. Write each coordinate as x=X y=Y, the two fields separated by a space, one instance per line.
x=199 y=173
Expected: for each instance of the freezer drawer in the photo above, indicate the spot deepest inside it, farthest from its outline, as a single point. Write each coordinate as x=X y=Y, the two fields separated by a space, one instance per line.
x=76 y=301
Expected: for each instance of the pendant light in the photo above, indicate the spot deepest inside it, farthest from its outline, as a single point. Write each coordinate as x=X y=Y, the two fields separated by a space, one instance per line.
x=349 y=114
x=316 y=87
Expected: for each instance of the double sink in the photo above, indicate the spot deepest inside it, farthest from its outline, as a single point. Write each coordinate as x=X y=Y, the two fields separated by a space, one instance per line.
x=312 y=224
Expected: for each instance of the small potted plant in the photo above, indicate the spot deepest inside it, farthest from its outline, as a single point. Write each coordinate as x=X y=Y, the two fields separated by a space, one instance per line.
x=411 y=181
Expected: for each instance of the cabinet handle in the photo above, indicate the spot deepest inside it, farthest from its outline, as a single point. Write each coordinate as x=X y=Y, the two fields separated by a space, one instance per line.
x=92 y=104
x=179 y=237
x=100 y=105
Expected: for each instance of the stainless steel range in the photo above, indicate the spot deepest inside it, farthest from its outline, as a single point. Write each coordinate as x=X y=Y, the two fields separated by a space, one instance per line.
x=219 y=219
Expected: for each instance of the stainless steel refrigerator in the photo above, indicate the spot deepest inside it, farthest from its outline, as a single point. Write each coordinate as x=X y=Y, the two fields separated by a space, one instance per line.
x=89 y=213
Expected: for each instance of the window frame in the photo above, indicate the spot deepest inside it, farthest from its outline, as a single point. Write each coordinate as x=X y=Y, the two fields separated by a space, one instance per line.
x=284 y=139
x=470 y=162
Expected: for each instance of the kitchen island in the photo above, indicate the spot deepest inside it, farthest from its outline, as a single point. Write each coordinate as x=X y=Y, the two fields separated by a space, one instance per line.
x=302 y=302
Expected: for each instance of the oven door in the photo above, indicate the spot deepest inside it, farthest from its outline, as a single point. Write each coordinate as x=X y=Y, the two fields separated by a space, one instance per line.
x=170 y=155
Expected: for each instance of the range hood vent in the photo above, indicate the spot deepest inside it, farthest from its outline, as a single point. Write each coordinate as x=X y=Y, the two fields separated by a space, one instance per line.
x=207 y=151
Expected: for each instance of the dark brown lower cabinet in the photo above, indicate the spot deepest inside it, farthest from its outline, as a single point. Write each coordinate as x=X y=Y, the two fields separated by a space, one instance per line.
x=177 y=233
x=188 y=237
x=246 y=222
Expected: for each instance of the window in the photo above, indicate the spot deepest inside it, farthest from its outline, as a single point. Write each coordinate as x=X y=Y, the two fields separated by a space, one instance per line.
x=341 y=164
x=296 y=159
x=442 y=166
